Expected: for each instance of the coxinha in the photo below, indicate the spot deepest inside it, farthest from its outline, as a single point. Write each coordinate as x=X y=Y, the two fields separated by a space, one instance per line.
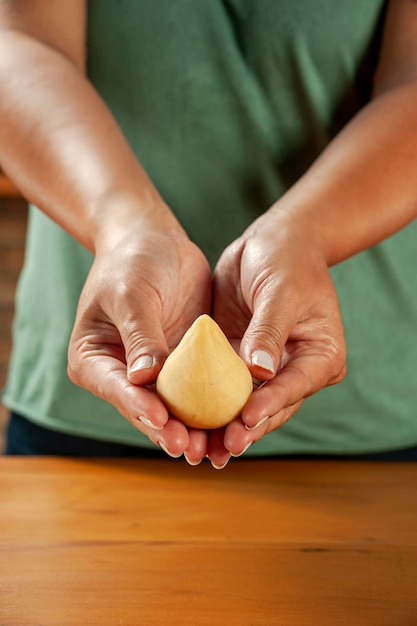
x=203 y=382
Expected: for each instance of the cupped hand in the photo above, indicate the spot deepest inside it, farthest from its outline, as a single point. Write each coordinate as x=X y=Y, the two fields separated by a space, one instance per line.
x=142 y=293
x=275 y=300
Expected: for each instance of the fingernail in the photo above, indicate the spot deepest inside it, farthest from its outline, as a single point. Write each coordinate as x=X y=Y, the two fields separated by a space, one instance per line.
x=218 y=467
x=165 y=449
x=147 y=422
x=243 y=451
x=193 y=463
x=263 y=359
x=261 y=421
x=144 y=362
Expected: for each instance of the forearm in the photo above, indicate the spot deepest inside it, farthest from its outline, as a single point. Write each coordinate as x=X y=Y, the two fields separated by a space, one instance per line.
x=362 y=189
x=61 y=145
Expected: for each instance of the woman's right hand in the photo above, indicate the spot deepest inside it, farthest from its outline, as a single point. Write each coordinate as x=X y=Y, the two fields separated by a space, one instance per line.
x=67 y=154
x=145 y=288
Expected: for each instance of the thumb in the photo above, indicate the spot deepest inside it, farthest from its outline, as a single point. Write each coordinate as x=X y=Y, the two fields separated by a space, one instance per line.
x=264 y=340
x=145 y=346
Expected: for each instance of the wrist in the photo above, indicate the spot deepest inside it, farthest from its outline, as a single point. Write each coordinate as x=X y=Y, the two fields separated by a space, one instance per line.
x=120 y=212
x=326 y=218
x=302 y=230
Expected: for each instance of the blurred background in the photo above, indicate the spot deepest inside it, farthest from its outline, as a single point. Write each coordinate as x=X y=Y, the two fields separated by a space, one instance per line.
x=13 y=218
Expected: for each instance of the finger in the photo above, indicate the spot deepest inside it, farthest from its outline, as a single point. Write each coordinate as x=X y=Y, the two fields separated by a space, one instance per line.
x=229 y=308
x=144 y=341
x=197 y=448
x=129 y=328
x=315 y=368
x=105 y=376
x=173 y=438
x=216 y=450
x=238 y=439
x=266 y=335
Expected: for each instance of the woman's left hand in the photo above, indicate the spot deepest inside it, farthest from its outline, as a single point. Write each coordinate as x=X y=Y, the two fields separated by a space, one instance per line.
x=275 y=301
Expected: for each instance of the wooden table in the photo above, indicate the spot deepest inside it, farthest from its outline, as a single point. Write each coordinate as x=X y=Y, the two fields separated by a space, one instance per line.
x=155 y=543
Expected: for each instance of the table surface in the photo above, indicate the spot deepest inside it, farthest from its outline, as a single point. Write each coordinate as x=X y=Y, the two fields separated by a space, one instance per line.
x=159 y=543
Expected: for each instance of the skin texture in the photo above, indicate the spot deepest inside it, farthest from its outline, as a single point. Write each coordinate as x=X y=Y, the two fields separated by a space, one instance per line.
x=263 y=294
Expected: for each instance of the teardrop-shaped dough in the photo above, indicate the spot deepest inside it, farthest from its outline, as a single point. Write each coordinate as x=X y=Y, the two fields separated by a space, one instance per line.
x=203 y=382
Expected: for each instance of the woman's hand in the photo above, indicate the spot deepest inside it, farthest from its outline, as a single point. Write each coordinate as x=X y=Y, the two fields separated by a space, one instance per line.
x=144 y=290
x=274 y=297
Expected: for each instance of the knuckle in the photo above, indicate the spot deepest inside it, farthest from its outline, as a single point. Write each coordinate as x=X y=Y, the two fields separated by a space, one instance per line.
x=76 y=363
x=270 y=334
x=337 y=357
x=73 y=372
x=341 y=375
x=122 y=291
x=135 y=342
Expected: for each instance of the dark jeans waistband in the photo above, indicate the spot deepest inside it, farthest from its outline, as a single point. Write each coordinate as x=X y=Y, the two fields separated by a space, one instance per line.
x=27 y=438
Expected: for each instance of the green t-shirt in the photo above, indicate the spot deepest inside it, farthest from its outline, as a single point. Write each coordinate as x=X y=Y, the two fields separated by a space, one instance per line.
x=226 y=103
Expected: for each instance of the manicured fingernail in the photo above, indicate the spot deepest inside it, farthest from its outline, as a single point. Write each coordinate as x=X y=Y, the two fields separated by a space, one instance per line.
x=165 y=449
x=144 y=362
x=218 y=467
x=147 y=422
x=262 y=421
x=193 y=463
x=263 y=359
x=243 y=451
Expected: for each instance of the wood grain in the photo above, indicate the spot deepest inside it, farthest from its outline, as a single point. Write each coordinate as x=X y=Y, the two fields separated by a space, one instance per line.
x=158 y=542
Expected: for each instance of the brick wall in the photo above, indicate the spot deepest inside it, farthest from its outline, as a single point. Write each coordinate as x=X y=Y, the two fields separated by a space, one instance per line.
x=13 y=217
